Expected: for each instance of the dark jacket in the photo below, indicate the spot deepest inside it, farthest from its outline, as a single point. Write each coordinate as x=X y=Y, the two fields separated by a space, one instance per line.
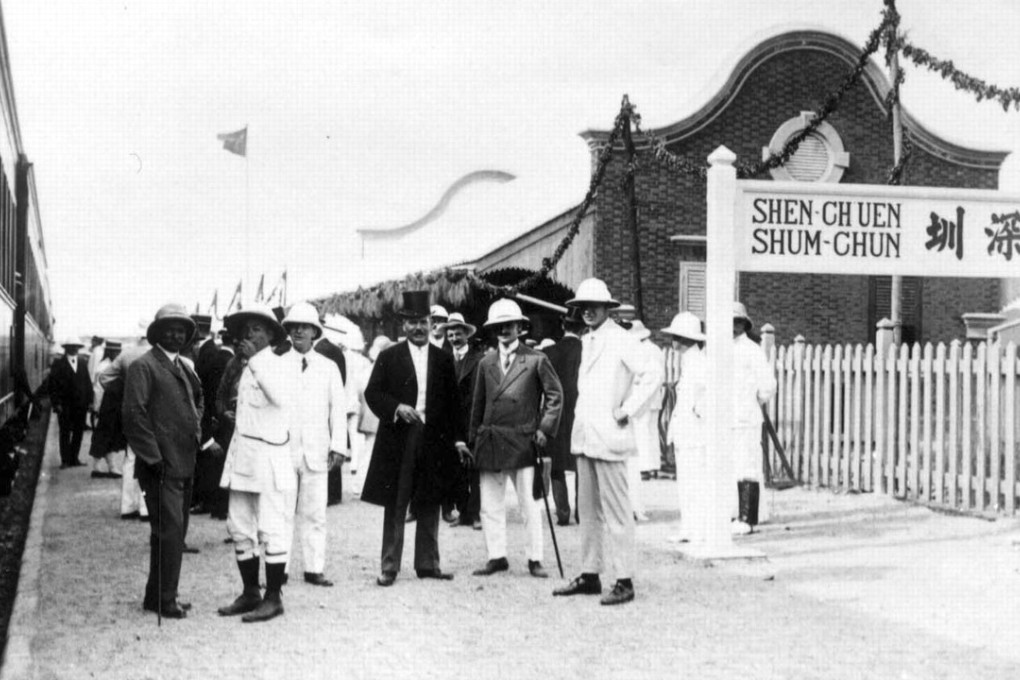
x=71 y=389
x=508 y=409
x=392 y=383
x=162 y=413
x=331 y=351
x=466 y=370
x=565 y=357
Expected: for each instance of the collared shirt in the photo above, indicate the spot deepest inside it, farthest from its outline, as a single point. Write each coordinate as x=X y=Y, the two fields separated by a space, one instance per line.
x=506 y=355
x=74 y=363
x=172 y=356
x=420 y=359
x=459 y=354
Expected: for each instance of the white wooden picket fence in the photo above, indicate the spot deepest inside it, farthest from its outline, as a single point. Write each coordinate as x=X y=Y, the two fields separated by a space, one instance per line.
x=938 y=425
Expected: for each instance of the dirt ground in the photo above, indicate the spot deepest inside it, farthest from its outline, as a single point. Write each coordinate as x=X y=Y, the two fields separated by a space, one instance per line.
x=851 y=587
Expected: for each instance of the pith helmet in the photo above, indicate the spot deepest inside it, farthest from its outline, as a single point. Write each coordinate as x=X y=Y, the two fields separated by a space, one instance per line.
x=593 y=291
x=306 y=313
x=168 y=313
x=438 y=313
x=639 y=330
x=457 y=321
x=72 y=341
x=504 y=311
x=235 y=322
x=685 y=325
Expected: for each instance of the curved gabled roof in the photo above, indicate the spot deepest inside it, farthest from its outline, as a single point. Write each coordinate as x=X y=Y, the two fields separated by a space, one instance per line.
x=810 y=39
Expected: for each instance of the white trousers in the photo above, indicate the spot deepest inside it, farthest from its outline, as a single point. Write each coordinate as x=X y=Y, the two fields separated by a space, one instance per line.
x=310 y=517
x=634 y=466
x=265 y=519
x=110 y=463
x=492 y=485
x=607 y=519
x=130 y=491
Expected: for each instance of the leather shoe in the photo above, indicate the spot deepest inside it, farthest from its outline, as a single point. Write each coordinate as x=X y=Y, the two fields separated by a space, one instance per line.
x=151 y=606
x=188 y=549
x=563 y=522
x=130 y=515
x=619 y=594
x=536 y=570
x=170 y=610
x=492 y=566
x=433 y=573
x=449 y=517
x=245 y=602
x=317 y=580
x=269 y=608
x=581 y=586
x=386 y=579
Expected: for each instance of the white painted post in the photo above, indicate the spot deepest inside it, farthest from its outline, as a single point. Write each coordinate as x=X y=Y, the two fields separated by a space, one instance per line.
x=721 y=270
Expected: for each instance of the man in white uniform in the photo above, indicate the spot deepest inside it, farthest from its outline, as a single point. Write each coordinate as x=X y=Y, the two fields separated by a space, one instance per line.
x=318 y=434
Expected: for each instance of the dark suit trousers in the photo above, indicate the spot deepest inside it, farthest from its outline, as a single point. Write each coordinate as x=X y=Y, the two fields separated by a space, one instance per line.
x=426 y=535
x=72 y=426
x=470 y=510
x=560 y=496
x=167 y=504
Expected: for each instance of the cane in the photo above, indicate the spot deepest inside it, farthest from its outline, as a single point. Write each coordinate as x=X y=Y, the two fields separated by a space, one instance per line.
x=159 y=550
x=540 y=471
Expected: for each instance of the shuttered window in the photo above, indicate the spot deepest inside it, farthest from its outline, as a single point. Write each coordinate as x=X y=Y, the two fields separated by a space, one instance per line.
x=880 y=305
x=692 y=288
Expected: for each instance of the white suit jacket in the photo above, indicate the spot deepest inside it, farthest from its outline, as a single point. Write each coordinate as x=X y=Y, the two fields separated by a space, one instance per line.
x=687 y=423
x=615 y=372
x=318 y=419
x=754 y=382
x=259 y=456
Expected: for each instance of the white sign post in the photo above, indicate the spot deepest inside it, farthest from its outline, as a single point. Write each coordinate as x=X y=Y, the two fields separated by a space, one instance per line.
x=796 y=227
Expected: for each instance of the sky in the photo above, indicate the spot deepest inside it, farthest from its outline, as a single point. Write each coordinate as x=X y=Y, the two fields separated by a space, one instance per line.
x=361 y=113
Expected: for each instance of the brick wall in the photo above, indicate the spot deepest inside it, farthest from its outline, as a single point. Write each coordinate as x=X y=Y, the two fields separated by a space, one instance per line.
x=822 y=308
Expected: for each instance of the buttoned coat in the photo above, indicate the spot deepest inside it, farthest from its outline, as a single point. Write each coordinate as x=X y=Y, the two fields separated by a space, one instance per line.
x=467 y=370
x=565 y=357
x=614 y=374
x=393 y=382
x=162 y=413
x=319 y=413
x=508 y=409
x=259 y=456
x=69 y=388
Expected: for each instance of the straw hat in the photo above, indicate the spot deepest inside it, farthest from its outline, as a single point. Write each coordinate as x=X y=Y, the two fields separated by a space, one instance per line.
x=235 y=322
x=457 y=321
x=685 y=325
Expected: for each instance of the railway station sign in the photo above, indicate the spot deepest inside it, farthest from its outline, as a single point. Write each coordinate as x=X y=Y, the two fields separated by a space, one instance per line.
x=876 y=230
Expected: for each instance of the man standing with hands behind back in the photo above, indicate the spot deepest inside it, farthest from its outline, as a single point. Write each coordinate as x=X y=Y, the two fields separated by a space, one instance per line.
x=162 y=414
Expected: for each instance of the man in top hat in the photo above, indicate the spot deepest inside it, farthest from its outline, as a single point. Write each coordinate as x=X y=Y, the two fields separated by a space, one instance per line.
x=516 y=408
x=687 y=428
x=465 y=360
x=415 y=461
x=565 y=357
x=162 y=414
x=754 y=384
x=614 y=381
x=318 y=434
x=71 y=396
x=259 y=470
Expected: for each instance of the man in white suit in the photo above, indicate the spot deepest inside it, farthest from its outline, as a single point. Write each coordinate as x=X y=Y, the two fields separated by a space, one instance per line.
x=615 y=380
x=318 y=434
x=258 y=469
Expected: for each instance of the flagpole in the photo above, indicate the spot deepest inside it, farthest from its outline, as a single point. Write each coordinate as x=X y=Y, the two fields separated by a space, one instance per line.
x=247 y=217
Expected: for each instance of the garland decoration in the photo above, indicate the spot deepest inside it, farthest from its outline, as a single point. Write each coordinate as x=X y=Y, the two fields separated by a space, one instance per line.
x=1006 y=96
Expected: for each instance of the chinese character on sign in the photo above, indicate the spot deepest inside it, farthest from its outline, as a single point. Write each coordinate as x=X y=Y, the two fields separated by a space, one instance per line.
x=945 y=234
x=1006 y=238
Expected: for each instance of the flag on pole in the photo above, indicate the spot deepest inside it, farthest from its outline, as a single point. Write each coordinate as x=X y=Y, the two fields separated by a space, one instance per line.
x=261 y=292
x=235 y=142
x=279 y=289
x=214 y=305
x=236 y=298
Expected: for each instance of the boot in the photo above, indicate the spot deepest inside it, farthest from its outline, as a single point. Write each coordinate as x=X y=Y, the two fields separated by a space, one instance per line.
x=272 y=604
x=249 y=599
x=748 y=492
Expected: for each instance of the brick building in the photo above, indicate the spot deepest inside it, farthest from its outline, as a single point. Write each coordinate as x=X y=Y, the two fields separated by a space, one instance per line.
x=761 y=105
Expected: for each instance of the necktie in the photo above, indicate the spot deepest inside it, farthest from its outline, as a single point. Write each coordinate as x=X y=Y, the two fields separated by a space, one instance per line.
x=506 y=361
x=304 y=364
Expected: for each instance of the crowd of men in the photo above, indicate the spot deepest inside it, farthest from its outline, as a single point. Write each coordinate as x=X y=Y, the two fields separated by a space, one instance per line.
x=254 y=429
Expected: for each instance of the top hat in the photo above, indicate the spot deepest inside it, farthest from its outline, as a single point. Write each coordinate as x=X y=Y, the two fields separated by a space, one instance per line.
x=416 y=304
x=306 y=313
x=574 y=315
x=168 y=313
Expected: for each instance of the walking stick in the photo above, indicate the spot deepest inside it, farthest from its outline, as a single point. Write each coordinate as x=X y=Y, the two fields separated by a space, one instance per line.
x=540 y=472
x=159 y=550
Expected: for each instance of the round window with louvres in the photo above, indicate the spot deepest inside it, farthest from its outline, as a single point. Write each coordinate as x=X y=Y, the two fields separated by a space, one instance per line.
x=819 y=158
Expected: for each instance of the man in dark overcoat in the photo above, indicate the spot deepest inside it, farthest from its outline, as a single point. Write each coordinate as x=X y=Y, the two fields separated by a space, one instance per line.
x=71 y=395
x=415 y=461
x=565 y=357
x=465 y=360
x=162 y=415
